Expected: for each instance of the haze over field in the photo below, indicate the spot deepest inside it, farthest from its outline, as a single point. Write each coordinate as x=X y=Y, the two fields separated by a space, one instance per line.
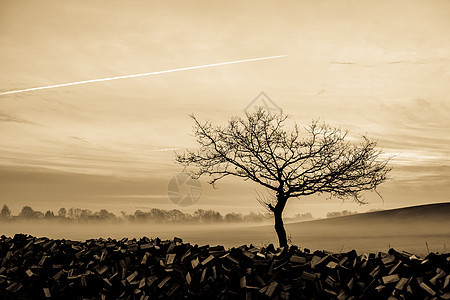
x=406 y=229
x=375 y=67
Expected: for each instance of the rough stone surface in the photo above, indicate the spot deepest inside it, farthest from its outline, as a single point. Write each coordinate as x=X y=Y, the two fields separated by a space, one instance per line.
x=42 y=268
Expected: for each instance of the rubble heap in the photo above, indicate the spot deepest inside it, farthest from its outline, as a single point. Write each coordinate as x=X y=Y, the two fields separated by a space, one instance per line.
x=42 y=268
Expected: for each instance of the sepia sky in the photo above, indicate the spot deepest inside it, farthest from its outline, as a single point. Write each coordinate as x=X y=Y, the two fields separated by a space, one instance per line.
x=376 y=67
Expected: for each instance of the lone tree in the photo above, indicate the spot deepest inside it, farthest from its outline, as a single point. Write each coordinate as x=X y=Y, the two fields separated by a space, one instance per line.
x=5 y=212
x=288 y=162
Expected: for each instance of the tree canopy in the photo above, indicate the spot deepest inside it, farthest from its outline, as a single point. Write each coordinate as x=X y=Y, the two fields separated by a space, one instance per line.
x=290 y=162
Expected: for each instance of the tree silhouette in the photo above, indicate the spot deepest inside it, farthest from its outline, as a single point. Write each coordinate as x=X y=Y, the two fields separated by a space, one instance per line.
x=49 y=214
x=5 y=212
x=28 y=213
x=62 y=212
x=288 y=163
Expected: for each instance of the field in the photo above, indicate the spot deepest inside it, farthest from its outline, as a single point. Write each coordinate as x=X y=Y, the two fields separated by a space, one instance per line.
x=142 y=268
x=410 y=229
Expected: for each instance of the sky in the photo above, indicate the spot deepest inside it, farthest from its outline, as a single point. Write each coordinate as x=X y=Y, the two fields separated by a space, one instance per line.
x=379 y=68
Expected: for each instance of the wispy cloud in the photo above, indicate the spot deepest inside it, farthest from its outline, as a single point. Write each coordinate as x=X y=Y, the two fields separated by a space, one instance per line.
x=109 y=136
x=4 y=117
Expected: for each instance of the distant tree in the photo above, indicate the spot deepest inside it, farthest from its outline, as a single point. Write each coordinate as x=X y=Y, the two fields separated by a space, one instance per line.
x=5 y=212
x=104 y=215
x=233 y=217
x=207 y=216
x=286 y=162
x=49 y=214
x=175 y=216
x=85 y=214
x=334 y=214
x=77 y=213
x=140 y=216
x=26 y=212
x=62 y=212
x=158 y=215
x=304 y=216
x=253 y=217
x=38 y=214
x=348 y=212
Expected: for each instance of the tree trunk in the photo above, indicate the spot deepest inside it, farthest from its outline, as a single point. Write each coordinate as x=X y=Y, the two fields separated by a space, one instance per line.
x=279 y=225
x=279 y=228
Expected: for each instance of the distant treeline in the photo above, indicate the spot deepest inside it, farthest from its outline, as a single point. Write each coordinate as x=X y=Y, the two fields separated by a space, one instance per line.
x=334 y=214
x=154 y=215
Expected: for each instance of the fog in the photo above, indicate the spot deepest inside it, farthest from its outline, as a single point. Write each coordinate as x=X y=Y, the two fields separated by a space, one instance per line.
x=335 y=235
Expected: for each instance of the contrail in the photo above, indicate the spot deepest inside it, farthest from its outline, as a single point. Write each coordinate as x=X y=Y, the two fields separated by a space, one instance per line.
x=139 y=75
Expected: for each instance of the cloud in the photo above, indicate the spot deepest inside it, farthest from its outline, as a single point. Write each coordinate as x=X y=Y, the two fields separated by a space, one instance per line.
x=79 y=139
x=4 y=117
x=127 y=129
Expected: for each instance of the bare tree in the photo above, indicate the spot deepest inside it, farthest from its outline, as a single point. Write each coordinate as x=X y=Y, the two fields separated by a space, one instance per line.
x=287 y=162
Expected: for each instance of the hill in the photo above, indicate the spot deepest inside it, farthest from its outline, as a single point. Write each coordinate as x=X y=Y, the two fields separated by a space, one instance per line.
x=418 y=228
x=428 y=219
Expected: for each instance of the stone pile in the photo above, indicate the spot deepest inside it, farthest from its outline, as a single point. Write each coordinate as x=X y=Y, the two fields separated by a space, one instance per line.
x=42 y=268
